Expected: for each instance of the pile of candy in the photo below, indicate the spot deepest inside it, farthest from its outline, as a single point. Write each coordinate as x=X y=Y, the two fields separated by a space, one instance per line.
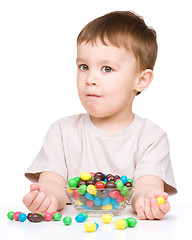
x=34 y=217
x=120 y=224
x=99 y=191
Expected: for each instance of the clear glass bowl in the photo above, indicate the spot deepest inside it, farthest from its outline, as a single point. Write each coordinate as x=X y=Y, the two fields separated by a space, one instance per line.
x=105 y=200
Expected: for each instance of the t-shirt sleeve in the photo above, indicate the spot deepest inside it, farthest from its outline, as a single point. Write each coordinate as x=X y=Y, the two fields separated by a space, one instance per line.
x=154 y=159
x=51 y=156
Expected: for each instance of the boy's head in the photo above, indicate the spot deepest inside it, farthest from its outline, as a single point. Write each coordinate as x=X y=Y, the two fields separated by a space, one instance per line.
x=123 y=28
x=116 y=54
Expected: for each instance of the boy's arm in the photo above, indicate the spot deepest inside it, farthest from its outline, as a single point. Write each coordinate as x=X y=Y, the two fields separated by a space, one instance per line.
x=46 y=195
x=147 y=189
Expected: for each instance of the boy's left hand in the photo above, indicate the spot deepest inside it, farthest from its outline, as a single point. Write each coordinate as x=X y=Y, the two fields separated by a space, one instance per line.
x=147 y=206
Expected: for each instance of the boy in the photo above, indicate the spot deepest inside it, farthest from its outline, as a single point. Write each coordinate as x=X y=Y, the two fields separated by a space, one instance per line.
x=116 y=54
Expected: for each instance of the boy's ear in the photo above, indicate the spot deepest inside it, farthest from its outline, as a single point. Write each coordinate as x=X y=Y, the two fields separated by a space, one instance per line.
x=144 y=80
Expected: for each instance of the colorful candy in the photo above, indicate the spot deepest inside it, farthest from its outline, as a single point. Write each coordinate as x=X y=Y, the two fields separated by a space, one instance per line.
x=132 y=222
x=96 y=190
x=67 y=220
x=10 y=215
x=120 y=224
x=80 y=218
x=57 y=216
x=160 y=200
x=90 y=227
x=22 y=217
x=106 y=218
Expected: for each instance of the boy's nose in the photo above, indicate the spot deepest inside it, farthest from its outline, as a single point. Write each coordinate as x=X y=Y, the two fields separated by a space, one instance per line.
x=91 y=79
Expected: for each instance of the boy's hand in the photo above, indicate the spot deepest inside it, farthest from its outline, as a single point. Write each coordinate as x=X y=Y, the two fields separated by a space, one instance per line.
x=39 y=199
x=147 y=206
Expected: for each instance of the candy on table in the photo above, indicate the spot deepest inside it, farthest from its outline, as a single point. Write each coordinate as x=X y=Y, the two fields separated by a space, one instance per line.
x=10 y=215
x=22 y=217
x=106 y=218
x=132 y=222
x=80 y=218
x=67 y=220
x=57 y=216
x=90 y=226
x=35 y=217
x=16 y=216
x=160 y=200
x=120 y=224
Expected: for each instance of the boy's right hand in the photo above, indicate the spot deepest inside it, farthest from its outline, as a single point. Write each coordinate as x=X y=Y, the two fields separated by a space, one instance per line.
x=39 y=199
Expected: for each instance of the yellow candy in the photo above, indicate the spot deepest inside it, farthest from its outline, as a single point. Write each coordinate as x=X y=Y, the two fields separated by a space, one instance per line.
x=160 y=200
x=91 y=189
x=78 y=202
x=85 y=176
x=120 y=224
x=107 y=207
x=106 y=218
x=90 y=227
x=70 y=190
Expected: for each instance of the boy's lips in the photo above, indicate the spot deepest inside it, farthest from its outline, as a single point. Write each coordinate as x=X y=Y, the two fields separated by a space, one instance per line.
x=92 y=95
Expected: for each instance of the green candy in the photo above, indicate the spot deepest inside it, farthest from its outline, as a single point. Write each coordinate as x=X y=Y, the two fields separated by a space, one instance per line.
x=124 y=191
x=132 y=222
x=77 y=179
x=72 y=182
x=10 y=215
x=67 y=220
x=130 y=180
x=82 y=189
x=57 y=216
x=119 y=184
x=126 y=222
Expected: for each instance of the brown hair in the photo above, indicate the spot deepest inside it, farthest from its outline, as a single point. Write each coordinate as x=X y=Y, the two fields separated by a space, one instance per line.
x=124 y=28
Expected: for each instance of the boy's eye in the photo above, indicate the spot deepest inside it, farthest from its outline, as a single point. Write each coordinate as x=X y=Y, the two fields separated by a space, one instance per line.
x=106 y=69
x=84 y=67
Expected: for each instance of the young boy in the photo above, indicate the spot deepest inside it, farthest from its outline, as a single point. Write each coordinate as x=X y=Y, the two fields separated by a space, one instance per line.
x=116 y=54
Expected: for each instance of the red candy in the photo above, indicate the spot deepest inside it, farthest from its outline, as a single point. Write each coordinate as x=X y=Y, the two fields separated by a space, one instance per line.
x=75 y=194
x=99 y=185
x=16 y=216
x=48 y=216
x=90 y=203
x=114 y=194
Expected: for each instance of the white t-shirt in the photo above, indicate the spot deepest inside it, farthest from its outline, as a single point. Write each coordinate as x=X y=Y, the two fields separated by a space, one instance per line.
x=74 y=145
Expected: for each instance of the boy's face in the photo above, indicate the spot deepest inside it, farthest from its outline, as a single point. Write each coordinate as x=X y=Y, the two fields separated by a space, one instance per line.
x=106 y=78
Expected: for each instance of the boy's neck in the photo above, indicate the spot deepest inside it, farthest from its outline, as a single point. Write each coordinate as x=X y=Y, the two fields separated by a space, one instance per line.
x=113 y=123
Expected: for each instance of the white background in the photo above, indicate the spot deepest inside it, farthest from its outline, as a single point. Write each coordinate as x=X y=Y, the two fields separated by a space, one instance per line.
x=38 y=80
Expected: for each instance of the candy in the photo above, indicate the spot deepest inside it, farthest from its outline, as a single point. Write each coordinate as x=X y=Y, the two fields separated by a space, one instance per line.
x=10 y=215
x=57 y=216
x=132 y=222
x=35 y=217
x=120 y=224
x=80 y=218
x=82 y=189
x=72 y=182
x=106 y=218
x=119 y=184
x=124 y=179
x=91 y=189
x=16 y=216
x=160 y=200
x=85 y=214
x=90 y=227
x=107 y=207
x=48 y=217
x=22 y=217
x=85 y=176
x=67 y=220
x=100 y=174
x=100 y=185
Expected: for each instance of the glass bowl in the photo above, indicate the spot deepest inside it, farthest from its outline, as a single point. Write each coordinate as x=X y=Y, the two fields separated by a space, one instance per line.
x=103 y=200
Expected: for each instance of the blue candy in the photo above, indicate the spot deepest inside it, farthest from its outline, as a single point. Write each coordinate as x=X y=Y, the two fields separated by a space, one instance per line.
x=97 y=225
x=80 y=218
x=22 y=217
x=106 y=201
x=97 y=201
x=124 y=179
x=89 y=196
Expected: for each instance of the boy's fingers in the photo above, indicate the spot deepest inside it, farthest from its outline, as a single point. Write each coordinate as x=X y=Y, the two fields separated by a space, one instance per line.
x=141 y=213
x=35 y=186
x=165 y=207
x=148 y=211
x=29 y=198
x=157 y=213
x=38 y=201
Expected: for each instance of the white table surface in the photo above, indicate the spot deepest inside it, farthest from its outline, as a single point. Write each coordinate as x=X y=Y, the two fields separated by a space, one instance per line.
x=177 y=224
